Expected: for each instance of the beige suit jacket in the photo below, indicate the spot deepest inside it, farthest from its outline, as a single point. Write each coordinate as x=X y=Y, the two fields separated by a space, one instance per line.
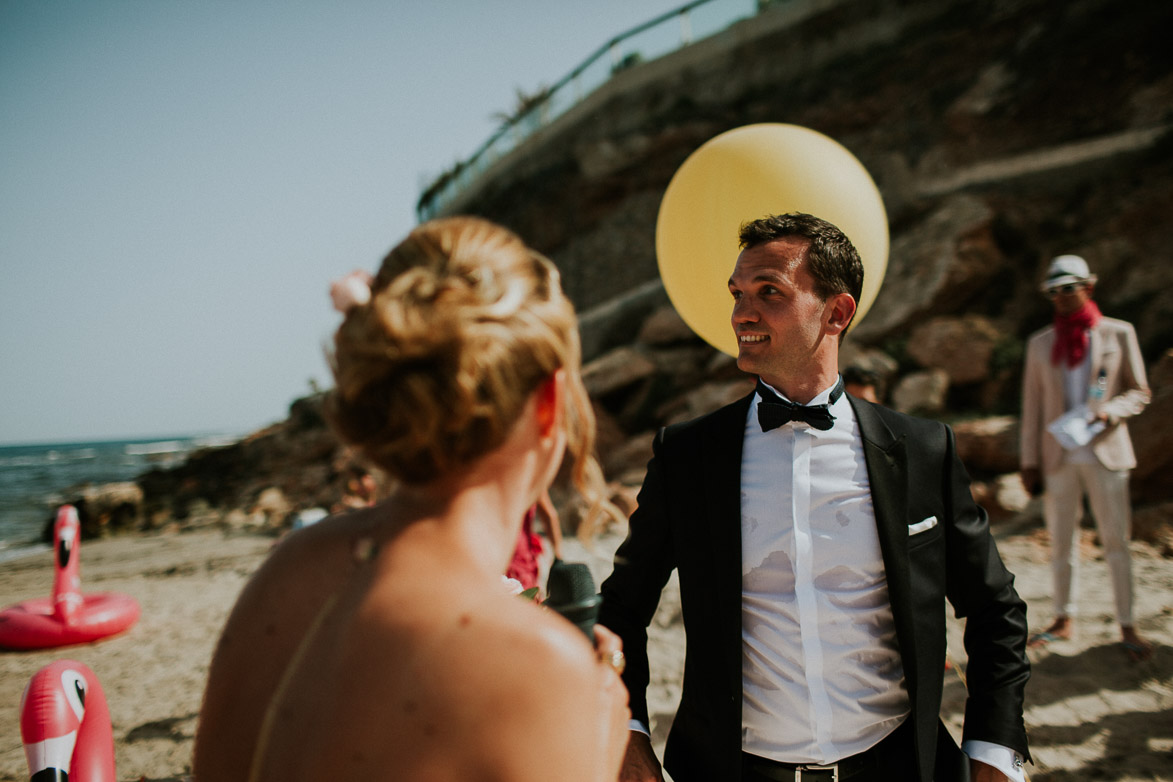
x=1113 y=348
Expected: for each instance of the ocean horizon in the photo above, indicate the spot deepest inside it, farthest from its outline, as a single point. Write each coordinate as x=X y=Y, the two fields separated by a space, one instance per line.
x=37 y=477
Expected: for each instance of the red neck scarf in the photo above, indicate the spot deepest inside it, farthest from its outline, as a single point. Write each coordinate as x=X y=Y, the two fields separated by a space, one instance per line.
x=1071 y=338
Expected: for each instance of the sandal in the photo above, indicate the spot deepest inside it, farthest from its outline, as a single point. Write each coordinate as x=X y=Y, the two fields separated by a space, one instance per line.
x=1039 y=640
x=1138 y=652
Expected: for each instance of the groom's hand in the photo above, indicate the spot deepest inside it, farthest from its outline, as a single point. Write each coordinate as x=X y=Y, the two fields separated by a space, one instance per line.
x=981 y=772
x=640 y=764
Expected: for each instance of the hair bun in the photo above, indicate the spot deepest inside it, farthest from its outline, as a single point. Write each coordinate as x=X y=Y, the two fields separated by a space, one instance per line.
x=461 y=329
x=465 y=323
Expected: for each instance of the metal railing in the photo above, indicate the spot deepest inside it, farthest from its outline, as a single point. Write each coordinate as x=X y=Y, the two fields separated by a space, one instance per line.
x=653 y=39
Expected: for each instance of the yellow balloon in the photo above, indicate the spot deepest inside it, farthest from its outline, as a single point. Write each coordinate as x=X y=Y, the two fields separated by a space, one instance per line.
x=744 y=174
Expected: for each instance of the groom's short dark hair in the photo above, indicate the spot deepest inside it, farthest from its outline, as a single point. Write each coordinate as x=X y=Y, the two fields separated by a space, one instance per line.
x=832 y=259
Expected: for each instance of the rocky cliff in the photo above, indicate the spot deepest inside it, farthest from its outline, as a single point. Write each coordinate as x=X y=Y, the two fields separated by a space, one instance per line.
x=1000 y=133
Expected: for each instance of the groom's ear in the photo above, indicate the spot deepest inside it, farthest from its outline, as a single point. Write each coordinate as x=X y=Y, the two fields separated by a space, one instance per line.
x=839 y=312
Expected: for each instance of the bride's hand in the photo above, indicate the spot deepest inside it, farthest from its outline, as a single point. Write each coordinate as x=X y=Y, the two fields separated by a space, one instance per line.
x=609 y=650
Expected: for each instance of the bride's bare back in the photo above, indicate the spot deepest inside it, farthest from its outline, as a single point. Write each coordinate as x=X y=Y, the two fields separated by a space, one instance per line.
x=410 y=668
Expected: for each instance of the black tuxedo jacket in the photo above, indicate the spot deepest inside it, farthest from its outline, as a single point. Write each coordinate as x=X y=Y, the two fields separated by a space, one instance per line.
x=689 y=518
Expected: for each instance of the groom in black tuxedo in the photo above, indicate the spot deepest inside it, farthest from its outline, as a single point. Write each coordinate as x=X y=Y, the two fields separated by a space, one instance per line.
x=817 y=537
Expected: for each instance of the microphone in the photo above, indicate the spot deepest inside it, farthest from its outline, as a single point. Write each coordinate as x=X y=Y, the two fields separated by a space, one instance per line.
x=572 y=593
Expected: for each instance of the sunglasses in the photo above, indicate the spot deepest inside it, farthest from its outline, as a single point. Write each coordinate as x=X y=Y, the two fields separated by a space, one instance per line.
x=1065 y=289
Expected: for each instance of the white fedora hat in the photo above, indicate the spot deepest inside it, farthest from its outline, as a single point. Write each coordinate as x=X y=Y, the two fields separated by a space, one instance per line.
x=1067 y=270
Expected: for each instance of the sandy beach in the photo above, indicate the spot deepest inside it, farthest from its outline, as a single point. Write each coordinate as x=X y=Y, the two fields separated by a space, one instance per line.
x=1091 y=713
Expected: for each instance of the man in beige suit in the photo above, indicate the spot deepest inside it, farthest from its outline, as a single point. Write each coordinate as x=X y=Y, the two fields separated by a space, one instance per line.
x=1085 y=371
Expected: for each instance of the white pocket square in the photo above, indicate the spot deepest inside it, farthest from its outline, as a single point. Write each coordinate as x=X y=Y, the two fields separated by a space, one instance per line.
x=922 y=526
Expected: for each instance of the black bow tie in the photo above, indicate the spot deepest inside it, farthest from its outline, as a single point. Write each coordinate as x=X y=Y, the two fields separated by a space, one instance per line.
x=774 y=411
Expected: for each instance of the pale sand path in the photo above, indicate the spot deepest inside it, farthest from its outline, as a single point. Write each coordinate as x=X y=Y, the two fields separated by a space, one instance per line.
x=1091 y=713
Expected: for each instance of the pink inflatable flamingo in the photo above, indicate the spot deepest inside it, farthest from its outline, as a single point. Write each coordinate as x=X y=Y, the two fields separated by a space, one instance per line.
x=68 y=617
x=65 y=725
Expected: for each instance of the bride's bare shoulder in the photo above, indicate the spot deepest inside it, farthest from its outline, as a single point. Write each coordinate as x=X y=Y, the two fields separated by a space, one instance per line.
x=288 y=591
x=486 y=685
x=481 y=618
x=316 y=558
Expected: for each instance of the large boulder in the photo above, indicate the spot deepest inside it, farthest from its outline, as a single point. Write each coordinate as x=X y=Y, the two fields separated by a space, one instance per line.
x=935 y=266
x=665 y=327
x=683 y=366
x=1152 y=438
x=1003 y=498
x=106 y=508
x=988 y=446
x=616 y=370
x=921 y=392
x=962 y=346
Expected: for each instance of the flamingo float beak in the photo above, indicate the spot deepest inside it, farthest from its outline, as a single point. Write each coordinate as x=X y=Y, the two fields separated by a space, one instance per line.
x=49 y=760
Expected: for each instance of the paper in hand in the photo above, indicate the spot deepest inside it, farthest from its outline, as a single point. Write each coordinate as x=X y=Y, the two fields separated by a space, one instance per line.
x=1075 y=428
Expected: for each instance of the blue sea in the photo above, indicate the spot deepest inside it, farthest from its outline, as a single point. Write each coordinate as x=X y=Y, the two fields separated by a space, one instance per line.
x=34 y=479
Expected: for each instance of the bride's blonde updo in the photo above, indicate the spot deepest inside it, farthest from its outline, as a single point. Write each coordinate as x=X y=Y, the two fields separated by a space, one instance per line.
x=463 y=324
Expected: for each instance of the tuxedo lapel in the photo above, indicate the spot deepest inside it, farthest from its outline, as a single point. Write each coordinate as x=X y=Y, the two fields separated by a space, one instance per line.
x=721 y=483
x=722 y=453
x=887 y=463
x=717 y=491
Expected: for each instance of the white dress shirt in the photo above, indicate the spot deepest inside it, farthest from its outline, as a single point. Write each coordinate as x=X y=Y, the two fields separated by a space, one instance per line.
x=821 y=671
x=1076 y=381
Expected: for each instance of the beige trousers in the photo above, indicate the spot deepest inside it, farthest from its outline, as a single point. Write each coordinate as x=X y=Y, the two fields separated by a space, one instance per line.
x=1107 y=494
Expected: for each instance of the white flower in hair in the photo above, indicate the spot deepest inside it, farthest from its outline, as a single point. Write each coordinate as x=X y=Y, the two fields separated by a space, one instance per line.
x=353 y=290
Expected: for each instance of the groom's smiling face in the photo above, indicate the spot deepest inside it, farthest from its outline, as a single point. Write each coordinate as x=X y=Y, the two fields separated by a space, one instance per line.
x=777 y=316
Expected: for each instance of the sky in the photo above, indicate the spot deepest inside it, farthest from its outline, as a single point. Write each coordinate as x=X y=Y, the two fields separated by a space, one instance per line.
x=180 y=181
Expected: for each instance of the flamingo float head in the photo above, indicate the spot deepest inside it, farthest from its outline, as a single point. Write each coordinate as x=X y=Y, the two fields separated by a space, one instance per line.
x=51 y=713
x=67 y=597
x=65 y=725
